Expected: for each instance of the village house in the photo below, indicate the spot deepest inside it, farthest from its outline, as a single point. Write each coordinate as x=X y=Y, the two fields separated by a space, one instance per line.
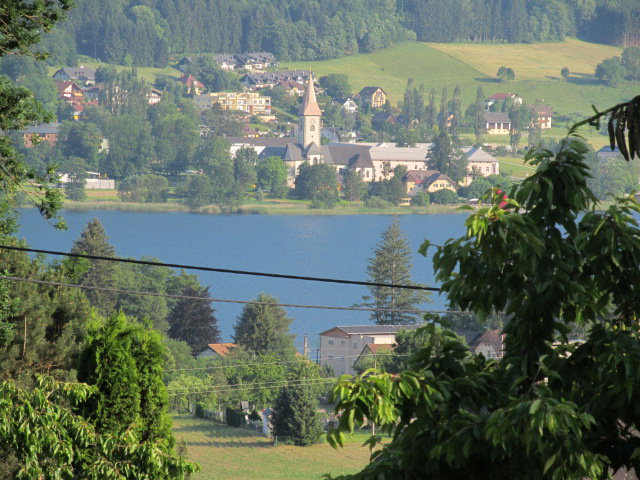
x=47 y=132
x=542 y=115
x=380 y=119
x=340 y=347
x=488 y=343
x=350 y=106
x=249 y=102
x=501 y=97
x=254 y=81
x=497 y=123
x=69 y=91
x=93 y=181
x=292 y=87
x=154 y=96
x=86 y=75
x=428 y=181
x=217 y=350
x=480 y=162
x=374 y=97
x=194 y=87
x=92 y=92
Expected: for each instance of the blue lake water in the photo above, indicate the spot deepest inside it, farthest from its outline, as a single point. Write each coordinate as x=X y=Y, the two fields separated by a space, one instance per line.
x=321 y=246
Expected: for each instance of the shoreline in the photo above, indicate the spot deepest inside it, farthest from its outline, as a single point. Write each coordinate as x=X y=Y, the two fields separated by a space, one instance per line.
x=261 y=209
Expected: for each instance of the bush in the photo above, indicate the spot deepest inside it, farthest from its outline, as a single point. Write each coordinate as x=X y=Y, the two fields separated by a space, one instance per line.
x=444 y=196
x=235 y=417
x=376 y=202
x=421 y=199
x=476 y=189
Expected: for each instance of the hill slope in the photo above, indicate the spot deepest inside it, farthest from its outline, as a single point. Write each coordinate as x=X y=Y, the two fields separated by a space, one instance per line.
x=537 y=68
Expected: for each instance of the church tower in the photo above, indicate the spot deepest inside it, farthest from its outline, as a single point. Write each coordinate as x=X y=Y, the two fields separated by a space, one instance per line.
x=310 y=119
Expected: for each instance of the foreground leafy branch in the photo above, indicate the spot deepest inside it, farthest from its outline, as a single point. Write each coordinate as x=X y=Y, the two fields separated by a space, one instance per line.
x=550 y=408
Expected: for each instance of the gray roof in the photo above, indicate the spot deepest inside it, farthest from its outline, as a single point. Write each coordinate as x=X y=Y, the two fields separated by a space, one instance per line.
x=314 y=149
x=293 y=153
x=476 y=154
x=78 y=72
x=43 y=129
x=497 y=117
x=375 y=329
x=261 y=141
x=275 y=77
x=370 y=90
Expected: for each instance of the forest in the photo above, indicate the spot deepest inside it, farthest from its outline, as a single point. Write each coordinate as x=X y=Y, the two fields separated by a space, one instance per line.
x=154 y=32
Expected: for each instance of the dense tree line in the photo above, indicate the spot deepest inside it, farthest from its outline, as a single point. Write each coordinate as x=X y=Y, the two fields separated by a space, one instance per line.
x=149 y=33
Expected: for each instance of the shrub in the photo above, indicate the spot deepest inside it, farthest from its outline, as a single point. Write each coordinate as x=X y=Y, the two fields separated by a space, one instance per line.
x=444 y=196
x=376 y=202
x=421 y=199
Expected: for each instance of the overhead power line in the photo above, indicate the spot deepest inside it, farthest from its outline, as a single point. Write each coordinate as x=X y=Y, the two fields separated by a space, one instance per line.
x=336 y=357
x=219 y=270
x=214 y=300
x=255 y=386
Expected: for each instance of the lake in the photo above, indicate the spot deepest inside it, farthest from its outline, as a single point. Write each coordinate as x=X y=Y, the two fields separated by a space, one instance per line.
x=310 y=245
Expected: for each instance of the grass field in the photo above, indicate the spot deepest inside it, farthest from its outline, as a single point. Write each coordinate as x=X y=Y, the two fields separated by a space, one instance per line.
x=537 y=68
x=227 y=453
x=515 y=167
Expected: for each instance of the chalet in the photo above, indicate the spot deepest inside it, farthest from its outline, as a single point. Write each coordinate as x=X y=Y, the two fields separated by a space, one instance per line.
x=184 y=63
x=194 y=87
x=428 y=181
x=93 y=92
x=292 y=87
x=69 y=91
x=340 y=347
x=217 y=350
x=480 y=162
x=47 y=132
x=83 y=74
x=542 y=115
x=501 y=97
x=350 y=106
x=497 y=123
x=154 y=96
x=374 y=97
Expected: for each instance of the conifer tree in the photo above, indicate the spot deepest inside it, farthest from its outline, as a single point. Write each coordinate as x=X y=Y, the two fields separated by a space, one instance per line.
x=264 y=328
x=100 y=273
x=391 y=264
x=192 y=321
x=479 y=123
x=295 y=415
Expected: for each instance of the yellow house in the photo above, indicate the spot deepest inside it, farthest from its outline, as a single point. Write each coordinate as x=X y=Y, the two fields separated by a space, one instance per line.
x=428 y=181
x=251 y=102
x=497 y=123
x=375 y=97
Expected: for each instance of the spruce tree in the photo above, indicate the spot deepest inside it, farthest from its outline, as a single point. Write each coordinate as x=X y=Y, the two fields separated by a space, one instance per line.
x=192 y=321
x=100 y=273
x=479 y=123
x=264 y=328
x=295 y=415
x=391 y=264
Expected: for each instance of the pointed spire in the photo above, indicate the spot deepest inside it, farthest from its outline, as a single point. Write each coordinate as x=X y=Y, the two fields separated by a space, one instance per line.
x=310 y=105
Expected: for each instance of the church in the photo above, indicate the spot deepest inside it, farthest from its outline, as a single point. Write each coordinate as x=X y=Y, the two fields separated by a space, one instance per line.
x=372 y=161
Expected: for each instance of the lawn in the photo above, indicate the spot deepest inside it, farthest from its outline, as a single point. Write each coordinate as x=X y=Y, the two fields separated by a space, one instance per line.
x=537 y=68
x=515 y=167
x=227 y=453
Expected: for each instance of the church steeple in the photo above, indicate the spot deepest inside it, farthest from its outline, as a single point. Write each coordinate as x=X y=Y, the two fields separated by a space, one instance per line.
x=310 y=119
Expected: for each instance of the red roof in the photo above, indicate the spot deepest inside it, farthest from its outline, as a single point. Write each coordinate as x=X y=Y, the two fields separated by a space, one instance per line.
x=222 y=349
x=190 y=81
x=62 y=86
x=502 y=96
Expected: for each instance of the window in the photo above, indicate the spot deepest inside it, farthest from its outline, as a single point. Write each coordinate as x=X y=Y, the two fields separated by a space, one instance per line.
x=355 y=345
x=330 y=357
x=330 y=342
x=487 y=169
x=312 y=128
x=343 y=342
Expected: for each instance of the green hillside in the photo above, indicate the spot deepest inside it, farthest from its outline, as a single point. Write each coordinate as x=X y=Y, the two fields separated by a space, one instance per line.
x=537 y=68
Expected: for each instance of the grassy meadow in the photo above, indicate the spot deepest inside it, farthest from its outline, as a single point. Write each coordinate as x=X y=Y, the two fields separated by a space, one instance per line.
x=227 y=453
x=537 y=68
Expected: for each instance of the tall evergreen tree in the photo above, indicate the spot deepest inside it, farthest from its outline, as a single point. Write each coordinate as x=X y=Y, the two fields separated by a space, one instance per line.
x=264 y=328
x=296 y=417
x=192 y=321
x=391 y=264
x=99 y=273
x=444 y=157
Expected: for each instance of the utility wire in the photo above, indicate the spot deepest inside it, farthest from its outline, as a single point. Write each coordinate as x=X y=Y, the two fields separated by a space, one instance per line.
x=337 y=357
x=256 y=386
x=219 y=270
x=219 y=300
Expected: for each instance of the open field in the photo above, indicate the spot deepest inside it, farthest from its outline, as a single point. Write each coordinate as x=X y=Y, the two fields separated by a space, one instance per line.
x=227 y=453
x=537 y=68
x=515 y=167
x=536 y=60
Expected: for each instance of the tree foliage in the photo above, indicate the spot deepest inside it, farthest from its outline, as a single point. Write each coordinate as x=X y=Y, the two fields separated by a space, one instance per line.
x=192 y=321
x=391 y=264
x=549 y=408
x=296 y=417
